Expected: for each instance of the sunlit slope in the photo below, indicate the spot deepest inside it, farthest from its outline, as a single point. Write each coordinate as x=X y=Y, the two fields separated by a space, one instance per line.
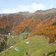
x=35 y=46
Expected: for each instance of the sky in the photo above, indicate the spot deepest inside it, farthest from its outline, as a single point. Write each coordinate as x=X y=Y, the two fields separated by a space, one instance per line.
x=13 y=6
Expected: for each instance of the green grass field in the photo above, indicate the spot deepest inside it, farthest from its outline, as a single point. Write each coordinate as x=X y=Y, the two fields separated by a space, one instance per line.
x=37 y=46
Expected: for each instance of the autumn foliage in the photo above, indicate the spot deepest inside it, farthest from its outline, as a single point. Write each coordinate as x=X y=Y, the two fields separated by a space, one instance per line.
x=35 y=24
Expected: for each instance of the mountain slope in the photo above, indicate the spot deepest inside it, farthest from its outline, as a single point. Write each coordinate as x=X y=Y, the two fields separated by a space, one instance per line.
x=40 y=22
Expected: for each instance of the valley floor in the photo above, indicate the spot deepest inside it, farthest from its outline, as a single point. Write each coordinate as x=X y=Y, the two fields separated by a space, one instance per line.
x=33 y=46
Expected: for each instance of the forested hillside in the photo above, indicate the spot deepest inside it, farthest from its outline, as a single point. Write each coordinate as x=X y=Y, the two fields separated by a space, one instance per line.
x=37 y=23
